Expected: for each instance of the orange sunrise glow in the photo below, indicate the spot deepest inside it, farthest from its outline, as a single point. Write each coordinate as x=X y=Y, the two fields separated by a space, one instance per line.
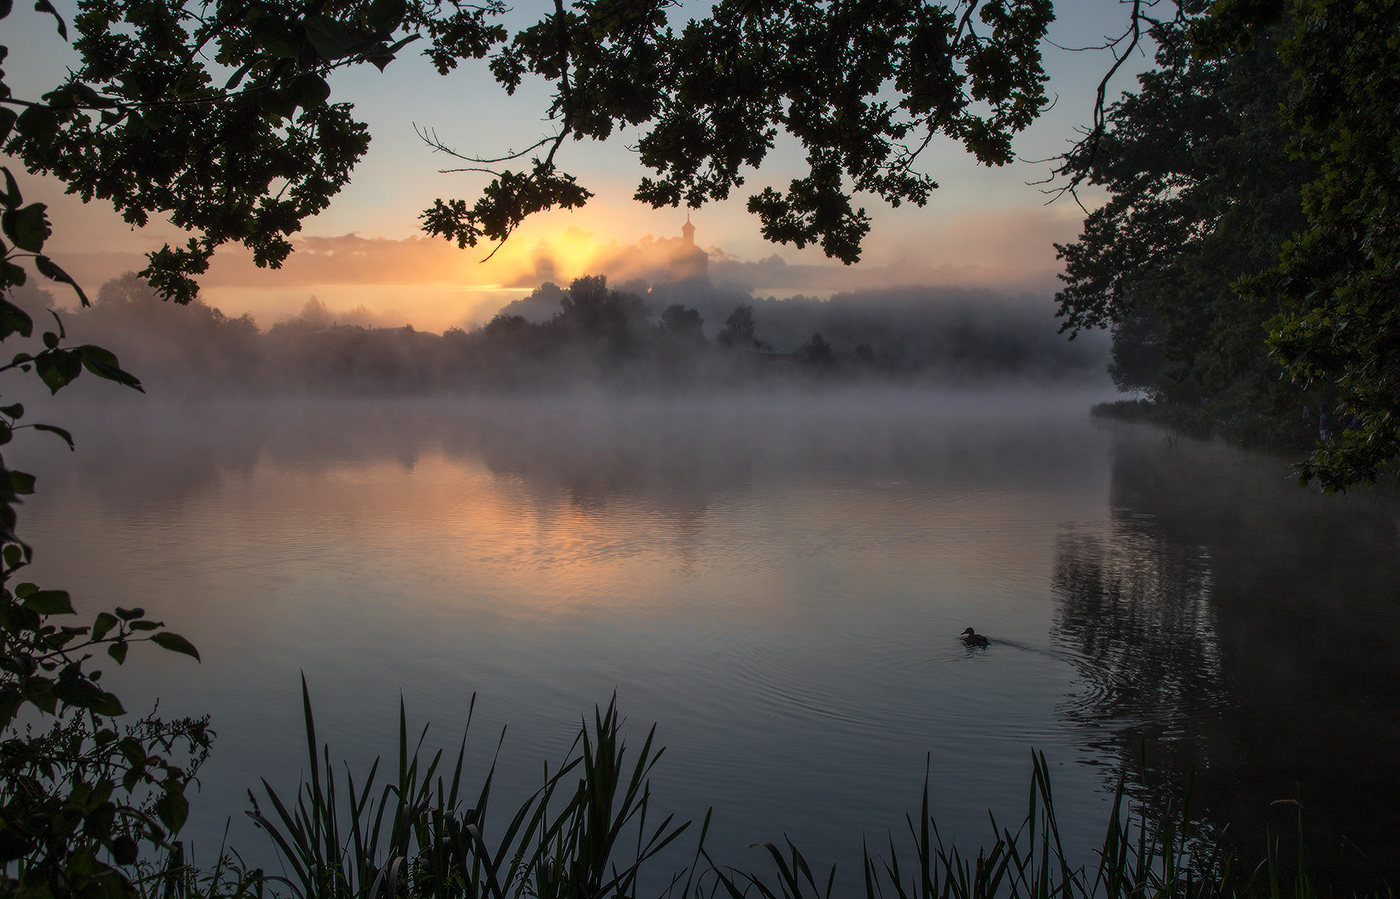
x=433 y=285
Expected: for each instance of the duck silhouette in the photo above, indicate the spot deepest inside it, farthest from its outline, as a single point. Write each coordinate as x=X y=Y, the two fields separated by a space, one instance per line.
x=972 y=638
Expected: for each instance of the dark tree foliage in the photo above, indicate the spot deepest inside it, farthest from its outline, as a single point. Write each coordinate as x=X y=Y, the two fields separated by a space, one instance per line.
x=864 y=87
x=1137 y=362
x=80 y=791
x=504 y=327
x=147 y=123
x=682 y=325
x=219 y=114
x=612 y=321
x=1257 y=251
x=1337 y=284
x=738 y=331
x=816 y=352
x=1202 y=191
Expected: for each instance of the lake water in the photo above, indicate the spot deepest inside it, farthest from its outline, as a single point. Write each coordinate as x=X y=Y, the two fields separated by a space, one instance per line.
x=777 y=582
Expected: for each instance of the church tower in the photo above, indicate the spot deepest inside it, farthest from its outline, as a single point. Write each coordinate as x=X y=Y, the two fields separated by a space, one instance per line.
x=689 y=262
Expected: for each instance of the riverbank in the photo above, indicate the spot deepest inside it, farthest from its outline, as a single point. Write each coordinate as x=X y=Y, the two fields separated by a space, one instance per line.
x=1245 y=429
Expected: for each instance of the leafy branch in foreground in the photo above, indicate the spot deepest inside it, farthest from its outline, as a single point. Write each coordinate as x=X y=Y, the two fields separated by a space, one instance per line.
x=219 y=114
x=79 y=792
x=863 y=87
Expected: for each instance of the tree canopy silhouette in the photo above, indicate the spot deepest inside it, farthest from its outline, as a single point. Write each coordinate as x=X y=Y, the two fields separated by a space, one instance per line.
x=1255 y=251
x=1202 y=190
x=220 y=115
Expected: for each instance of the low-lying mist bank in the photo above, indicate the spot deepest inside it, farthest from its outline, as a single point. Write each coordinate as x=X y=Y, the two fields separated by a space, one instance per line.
x=590 y=442
x=657 y=340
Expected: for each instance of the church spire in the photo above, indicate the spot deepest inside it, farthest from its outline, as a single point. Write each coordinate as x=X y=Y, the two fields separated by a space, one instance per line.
x=688 y=261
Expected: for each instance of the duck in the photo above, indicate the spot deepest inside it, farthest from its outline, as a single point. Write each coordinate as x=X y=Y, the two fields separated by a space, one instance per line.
x=972 y=638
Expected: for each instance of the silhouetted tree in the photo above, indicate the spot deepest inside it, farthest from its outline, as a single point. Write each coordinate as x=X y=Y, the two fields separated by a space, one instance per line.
x=816 y=352
x=540 y=306
x=1203 y=191
x=506 y=326
x=681 y=324
x=1137 y=354
x=195 y=342
x=612 y=321
x=315 y=315
x=738 y=331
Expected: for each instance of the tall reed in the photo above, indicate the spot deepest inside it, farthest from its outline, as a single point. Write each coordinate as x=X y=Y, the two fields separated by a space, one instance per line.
x=586 y=834
x=1165 y=856
x=412 y=838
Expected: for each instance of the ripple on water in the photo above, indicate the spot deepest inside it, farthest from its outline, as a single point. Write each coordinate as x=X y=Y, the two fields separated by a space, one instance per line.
x=783 y=599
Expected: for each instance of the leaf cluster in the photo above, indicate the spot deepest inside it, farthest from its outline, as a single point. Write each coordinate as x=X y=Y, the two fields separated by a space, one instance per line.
x=79 y=792
x=79 y=795
x=218 y=114
x=863 y=86
x=153 y=122
x=1202 y=192
x=1337 y=282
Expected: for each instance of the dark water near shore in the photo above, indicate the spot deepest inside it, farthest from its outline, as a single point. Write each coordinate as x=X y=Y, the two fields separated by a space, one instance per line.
x=778 y=583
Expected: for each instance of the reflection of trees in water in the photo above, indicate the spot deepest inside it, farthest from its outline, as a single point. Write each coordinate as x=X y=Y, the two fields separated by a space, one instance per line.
x=1231 y=626
x=1135 y=614
x=1136 y=611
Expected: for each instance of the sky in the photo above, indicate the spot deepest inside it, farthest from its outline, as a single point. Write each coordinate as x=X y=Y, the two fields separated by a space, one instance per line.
x=984 y=226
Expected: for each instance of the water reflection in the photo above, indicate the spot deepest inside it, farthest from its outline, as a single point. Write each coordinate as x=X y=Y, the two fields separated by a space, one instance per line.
x=1230 y=625
x=779 y=584
x=1137 y=613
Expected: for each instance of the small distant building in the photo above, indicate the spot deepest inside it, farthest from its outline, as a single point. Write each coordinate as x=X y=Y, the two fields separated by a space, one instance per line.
x=689 y=262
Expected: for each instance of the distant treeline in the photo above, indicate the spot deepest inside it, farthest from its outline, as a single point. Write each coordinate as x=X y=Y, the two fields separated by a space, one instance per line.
x=641 y=337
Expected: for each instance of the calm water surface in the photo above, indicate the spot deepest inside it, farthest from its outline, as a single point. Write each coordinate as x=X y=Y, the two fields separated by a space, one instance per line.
x=778 y=584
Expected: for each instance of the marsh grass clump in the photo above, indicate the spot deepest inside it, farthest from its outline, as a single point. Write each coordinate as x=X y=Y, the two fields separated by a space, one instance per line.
x=587 y=831
x=1164 y=856
x=413 y=841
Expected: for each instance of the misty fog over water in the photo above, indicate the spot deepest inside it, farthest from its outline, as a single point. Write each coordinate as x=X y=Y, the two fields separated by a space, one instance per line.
x=776 y=580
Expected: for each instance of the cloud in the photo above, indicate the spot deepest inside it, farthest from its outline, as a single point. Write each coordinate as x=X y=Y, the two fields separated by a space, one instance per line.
x=351 y=259
x=426 y=281
x=435 y=285
x=1006 y=250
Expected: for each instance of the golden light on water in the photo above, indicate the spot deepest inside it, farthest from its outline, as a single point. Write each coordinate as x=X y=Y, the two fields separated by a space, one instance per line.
x=441 y=538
